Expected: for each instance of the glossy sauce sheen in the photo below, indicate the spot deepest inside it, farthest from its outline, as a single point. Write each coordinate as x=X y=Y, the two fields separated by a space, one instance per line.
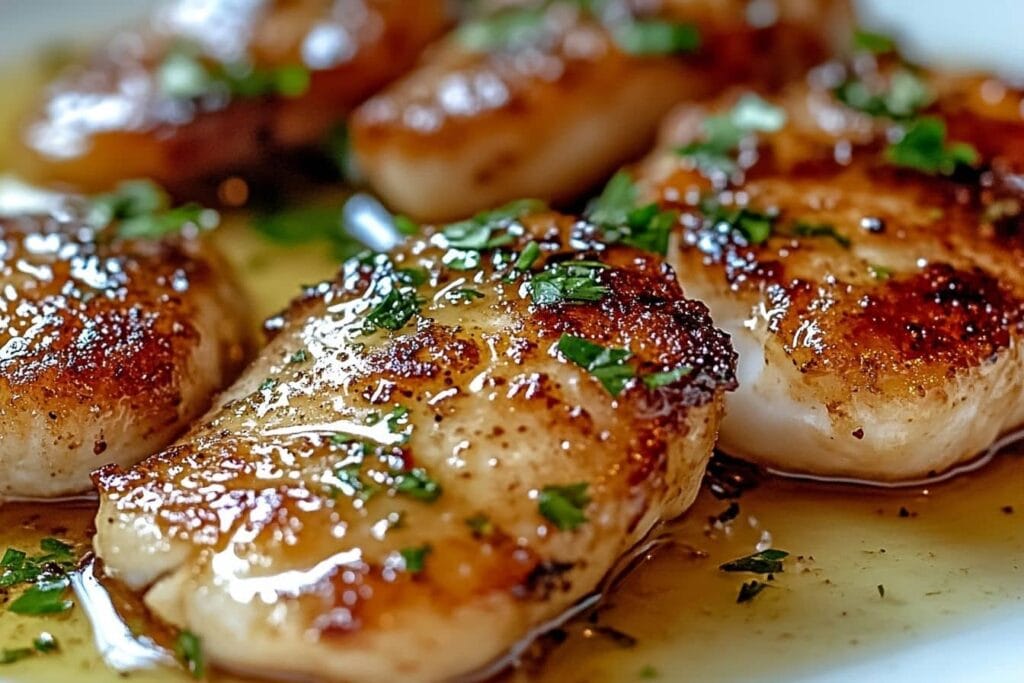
x=895 y=355
x=273 y=531
x=112 y=117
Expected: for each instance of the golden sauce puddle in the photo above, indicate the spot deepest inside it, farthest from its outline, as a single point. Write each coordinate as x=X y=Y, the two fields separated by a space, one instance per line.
x=945 y=557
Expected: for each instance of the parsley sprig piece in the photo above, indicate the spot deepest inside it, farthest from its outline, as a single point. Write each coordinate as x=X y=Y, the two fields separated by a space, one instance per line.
x=44 y=643
x=570 y=281
x=47 y=574
x=750 y=590
x=764 y=562
x=396 y=309
x=924 y=147
x=189 y=650
x=415 y=558
x=753 y=227
x=724 y=134
x=185 y=74
x=564 y=506
x=903 y=96
x=872 y=41
x=823 y=230
x=142 y=210
x=489 y=229
x=616 y=212
x=516 y=28
x=607 y=364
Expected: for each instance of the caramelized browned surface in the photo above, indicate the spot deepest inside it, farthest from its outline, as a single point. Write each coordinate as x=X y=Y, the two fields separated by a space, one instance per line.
x=107 y=347
x=470 y=129
x=260 y=497
x=904 y=332
x=111 y=119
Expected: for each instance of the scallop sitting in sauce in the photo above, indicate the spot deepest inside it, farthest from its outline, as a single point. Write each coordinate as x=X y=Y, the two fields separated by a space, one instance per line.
x=436 y=452
x=545 y=99
x=217 y=86
x=111 y=342
x=860 y=238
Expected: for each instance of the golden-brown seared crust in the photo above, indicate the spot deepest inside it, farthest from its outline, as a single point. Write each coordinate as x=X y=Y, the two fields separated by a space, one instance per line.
x=113 y=118
x=307 y=457
x=107 y=347
x=501 y=109
x=923 y=278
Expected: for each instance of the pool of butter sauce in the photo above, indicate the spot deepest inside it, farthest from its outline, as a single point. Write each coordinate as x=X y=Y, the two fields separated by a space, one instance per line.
x=947 y=556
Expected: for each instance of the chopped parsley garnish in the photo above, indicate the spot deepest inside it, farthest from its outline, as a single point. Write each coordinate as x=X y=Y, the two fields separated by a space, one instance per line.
x=870 y=41
x=481 y=525
x=879 y=272
x=754 y=227
x=416 y=483
x=563 y=505
x=750 y=590
x=56 y=559
x=802 y=229
x=268 y=384
x=656 y=380
x=656 y=37
x=300 y=356
x=415 y=558
x=904 y=95
x=529 y=256
x=568 y=281
x=396 y=309
x=353 y=483
x=764 y=562
x=189 y=650
x=292 y=225
x=616 y=212
x=44 y=643
x=607 y=365
x=648 y=672
x=465 y=294
x=724 y=133
x=412 y=276
x=184 y=74
x=142 y=209
x=406 y=225
x=513 y=29
x=485 y=230
x=924 y=147
x=45 y=596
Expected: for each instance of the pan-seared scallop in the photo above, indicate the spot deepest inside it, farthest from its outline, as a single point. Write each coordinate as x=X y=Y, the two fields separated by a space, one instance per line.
x=108 y=347
x=546 y=99
x=860 y=238
x=214 y=86
x=439 y=450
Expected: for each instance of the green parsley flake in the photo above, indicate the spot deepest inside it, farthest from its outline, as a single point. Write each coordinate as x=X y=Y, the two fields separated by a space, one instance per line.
x=656 y=37
x=529 y=256
x=750 y=590
x=764 y=562
x=481 y=525
x=656 y=380
x=879 y=272
x=141 y=210
x=184 y=74
x=189 y=650
x=616 y=212
x=870 y=41
x=801 y=229
x=294 y=225
x=752 y=226
x=46 y=596
x=607 y=365
x=904 y=95
x=568 y=281
x=563 y=505
x=724 y=133
x=396 y=309
x=415 y=558
x=416 y=483
x=924 y=147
